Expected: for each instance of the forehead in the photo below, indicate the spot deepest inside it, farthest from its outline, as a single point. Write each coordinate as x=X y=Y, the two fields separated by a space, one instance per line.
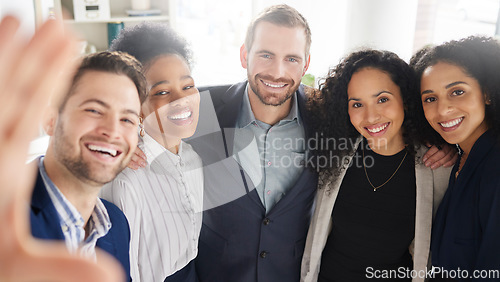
x=167 y=65
x=443 y=73
x=116 y=90
x=369 y=81
x=279 y=39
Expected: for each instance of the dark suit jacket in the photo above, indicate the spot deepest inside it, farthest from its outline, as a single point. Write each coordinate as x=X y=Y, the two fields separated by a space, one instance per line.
x=238 y=241
x=45 y=225
x=466 y=229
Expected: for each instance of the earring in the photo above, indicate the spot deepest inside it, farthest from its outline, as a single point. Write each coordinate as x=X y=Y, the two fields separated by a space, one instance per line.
x=141 y=127
x=488 y=102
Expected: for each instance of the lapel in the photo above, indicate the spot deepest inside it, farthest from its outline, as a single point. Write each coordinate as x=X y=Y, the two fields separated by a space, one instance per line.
x=109 y=241
x=479 y=151
x=44 y=220
x=227 y=113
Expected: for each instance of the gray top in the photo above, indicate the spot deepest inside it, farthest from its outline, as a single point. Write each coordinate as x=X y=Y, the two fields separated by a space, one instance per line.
x=275 y=158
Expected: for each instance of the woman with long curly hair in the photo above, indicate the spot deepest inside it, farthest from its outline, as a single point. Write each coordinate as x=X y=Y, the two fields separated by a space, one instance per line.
x=376 y=200
x=460 y=93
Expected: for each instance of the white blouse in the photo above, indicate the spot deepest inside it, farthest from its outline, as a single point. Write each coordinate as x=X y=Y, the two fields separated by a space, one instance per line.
x=163 y=204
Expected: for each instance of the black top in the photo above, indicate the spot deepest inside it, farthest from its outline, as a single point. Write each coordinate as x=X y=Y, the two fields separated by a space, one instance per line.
x=466 y=229
x=372 y=228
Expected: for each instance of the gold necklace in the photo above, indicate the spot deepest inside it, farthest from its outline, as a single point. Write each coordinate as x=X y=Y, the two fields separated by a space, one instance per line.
x=368 y=178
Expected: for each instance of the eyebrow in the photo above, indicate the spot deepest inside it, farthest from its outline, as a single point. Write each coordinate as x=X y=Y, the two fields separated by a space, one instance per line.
x=107 y=106
x=185 y=77
x=446 y=87
x=374 y=95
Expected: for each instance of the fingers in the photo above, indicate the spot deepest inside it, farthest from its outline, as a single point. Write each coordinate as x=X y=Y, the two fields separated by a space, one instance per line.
x=138 y=160
x=35 y=74
x=435 y=157
x=51 y=262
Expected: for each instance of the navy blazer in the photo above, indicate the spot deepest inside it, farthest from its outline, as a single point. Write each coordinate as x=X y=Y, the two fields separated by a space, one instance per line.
x=238 y=240
x=466 y=229
x=45 y=225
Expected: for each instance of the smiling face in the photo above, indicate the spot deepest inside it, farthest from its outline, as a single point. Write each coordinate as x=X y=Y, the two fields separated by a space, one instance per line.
x=376 y=110
x=95 y=134
x=275 y=63
x=453 y=104
x=171 y=110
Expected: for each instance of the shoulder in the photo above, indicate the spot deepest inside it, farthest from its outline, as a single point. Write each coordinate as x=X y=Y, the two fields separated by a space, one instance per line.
x=126 y=190
x=116 y=216
x=489 y=169
x=190 y=153
x=219 y=92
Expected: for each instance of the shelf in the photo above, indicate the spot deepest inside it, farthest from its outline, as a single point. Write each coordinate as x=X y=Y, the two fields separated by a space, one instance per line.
x=122 y=18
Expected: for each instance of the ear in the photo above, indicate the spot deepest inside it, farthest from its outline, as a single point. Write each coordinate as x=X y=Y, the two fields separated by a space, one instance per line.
x=49 y=121
x=306 y=66
x=243 y=56
x=487 y=99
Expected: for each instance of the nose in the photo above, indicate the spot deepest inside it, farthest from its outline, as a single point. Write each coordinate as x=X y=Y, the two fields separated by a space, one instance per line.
x=443 y=107
x=277 y=69
x=371 y=114
x=181 y=98
x=109 y=126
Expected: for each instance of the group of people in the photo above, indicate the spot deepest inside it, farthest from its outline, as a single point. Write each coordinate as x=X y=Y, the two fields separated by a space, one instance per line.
x=200 y=202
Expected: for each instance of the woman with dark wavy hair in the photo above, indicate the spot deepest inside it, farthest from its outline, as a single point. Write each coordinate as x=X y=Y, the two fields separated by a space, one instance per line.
x=376 y=197
x=460 y=93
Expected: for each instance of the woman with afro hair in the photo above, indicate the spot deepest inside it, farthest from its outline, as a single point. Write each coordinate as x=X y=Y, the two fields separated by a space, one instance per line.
x=460 y=93
x=376 y=197
x=162 y=199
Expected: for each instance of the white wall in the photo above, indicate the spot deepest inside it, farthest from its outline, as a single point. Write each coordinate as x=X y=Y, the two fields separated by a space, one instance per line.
x=22 y=9
x=382 y=24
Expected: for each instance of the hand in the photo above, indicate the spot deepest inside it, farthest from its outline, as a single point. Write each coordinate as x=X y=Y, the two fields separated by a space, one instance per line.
x=444 y=155
x=29 y=74
x=138 y=160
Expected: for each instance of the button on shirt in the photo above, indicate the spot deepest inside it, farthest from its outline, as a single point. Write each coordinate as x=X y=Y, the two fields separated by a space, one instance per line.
x=274 y=159
x=163 y=204
x=72 y=223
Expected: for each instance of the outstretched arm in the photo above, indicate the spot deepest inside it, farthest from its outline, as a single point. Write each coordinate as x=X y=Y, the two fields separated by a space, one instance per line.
x=29 y=74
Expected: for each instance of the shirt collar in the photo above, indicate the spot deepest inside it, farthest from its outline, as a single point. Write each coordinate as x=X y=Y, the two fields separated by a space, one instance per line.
x=69 y=215
x=153 y=149
x=246 y=116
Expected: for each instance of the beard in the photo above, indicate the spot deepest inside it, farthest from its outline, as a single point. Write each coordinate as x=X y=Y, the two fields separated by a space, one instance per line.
x=273 y=99
x=95 y=174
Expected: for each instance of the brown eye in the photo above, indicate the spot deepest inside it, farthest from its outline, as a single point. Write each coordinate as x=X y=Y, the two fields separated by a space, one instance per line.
x=160 y=93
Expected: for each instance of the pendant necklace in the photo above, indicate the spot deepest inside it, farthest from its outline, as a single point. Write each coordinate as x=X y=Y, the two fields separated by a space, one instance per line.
x=368 y=178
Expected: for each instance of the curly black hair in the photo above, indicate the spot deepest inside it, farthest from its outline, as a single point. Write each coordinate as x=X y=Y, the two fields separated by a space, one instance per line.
x=148 y=40
x=478 y=57
x=329 y=106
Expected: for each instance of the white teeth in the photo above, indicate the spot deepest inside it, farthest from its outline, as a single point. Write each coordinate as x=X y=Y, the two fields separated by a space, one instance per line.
x=102 y=150
x=183 y=115
x=378 y=129
x=451 y=123
x=274 y=85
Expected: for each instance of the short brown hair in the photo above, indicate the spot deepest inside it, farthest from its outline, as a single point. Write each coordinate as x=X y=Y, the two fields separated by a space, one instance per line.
x=282 y=15
x=112 y=62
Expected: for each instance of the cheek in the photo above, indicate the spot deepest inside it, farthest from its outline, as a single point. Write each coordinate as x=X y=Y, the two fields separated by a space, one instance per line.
x=354 y=117
x=428 y=111
x=151 y=106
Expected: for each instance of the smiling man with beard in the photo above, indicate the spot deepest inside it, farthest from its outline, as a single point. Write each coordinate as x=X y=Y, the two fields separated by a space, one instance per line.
x=258 y=200
x=93 y=136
